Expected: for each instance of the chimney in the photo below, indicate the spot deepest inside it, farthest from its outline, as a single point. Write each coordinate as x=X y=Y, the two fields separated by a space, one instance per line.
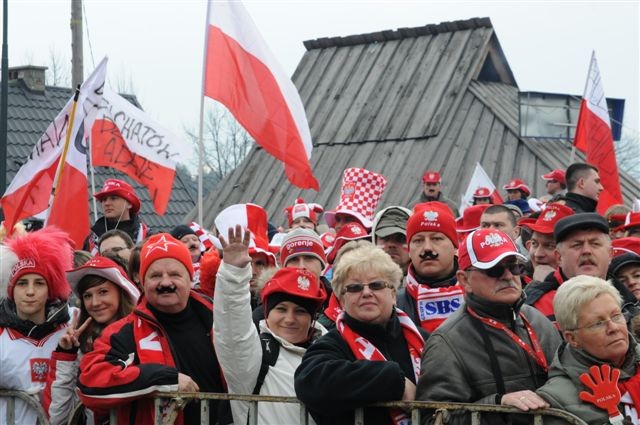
x=32 y=76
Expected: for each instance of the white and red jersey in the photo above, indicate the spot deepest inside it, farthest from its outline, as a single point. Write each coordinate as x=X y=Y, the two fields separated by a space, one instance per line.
x=25 y=365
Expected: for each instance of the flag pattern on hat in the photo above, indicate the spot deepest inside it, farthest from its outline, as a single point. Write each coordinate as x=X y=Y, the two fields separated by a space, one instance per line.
x=207 y=240
x=360 y=195
x=303 y=209
x=249 y=216
x=484 y=248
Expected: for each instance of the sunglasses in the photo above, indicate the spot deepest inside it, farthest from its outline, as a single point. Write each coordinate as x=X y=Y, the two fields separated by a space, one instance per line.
x=495 y=272
x=376 y=285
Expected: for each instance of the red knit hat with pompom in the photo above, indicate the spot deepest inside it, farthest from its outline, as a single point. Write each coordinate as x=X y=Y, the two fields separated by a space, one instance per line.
x=47 y=252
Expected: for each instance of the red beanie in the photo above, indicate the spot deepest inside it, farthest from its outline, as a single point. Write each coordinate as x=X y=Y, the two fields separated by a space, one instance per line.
x=432 y=217
x=163 y=245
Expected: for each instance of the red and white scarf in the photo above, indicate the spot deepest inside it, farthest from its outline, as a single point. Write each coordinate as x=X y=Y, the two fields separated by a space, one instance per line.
x=434 y=305
x=363 y=349
x=333 y=310
x=630 y=390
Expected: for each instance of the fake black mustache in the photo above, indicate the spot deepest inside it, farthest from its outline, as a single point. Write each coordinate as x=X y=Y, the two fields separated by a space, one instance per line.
x=166 y=289
x=428 y=255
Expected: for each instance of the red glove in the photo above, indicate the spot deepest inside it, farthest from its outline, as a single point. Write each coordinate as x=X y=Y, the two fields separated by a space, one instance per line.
x=603 y=383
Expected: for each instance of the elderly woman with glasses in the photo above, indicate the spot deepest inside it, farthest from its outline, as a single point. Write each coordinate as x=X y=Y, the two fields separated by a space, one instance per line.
x=588 y=311
x=372 y=355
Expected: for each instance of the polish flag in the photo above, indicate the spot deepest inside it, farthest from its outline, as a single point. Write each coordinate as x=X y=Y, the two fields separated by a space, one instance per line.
x=30 y=190
x=127 y=139
x=479 y=179
x=594 y=138
x=241 y=72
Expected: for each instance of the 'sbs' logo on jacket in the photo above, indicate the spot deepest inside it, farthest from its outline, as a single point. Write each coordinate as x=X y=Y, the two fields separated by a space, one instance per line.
x=39 y=370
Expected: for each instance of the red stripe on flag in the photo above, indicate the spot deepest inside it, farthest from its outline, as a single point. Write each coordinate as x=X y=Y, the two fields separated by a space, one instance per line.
x=109 y=149
x=595 y=135
x=248 y=88
x=70 y=209
x=29 y=199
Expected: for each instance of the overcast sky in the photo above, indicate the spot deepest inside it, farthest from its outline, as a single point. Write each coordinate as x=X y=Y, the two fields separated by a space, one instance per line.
x=156 y=45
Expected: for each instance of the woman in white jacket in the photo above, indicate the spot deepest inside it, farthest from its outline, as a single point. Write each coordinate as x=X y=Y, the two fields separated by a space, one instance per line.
x=291 y=299
x=106 y=294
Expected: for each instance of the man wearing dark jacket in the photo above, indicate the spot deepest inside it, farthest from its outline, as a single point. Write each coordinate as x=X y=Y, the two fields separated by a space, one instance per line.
x=432 y=191
x=432 y=292
x=120 y=207
x=583 y=187
x=164 y=344
x=494 y=350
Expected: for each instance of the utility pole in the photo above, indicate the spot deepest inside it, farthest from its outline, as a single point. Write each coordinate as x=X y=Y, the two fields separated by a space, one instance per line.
x=4 y=96
x=77 y=72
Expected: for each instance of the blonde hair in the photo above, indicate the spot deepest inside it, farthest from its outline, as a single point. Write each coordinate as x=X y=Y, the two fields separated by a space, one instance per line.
x=365 y=259
x=576 y=293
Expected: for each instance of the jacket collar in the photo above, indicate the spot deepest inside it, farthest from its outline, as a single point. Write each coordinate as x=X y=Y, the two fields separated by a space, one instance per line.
x=501 y=312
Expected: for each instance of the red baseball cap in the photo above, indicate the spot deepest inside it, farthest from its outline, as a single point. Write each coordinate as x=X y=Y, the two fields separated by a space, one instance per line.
x=349 y=232
x=549 y=217
x=632 y=220
x=470 y=219
x=517 y=184
x=121 y=189
x=482 y=192
x=626 y=245
x=431 y=177
x=557 y=175
x=484 y=248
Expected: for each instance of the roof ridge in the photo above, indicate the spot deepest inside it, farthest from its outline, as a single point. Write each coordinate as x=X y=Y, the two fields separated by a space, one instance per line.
x=400 y=33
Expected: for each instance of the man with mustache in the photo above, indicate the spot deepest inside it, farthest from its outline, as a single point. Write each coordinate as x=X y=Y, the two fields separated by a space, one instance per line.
x=164 y=344
x=495 y=349
x=389 y=233
x=432 y=292
x=583 y=247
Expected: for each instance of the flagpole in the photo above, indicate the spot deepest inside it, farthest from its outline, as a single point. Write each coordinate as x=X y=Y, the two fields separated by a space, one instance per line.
x=584 y=94
x=63 y=157
x=93 y=181
x=200 y=131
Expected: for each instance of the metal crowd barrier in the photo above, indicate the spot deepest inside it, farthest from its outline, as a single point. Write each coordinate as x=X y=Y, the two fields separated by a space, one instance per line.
x=30 y=399
x=176 y=400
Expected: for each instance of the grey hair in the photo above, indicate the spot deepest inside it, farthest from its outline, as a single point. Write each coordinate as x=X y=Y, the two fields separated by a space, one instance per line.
x=575 y=293
x=365 y=259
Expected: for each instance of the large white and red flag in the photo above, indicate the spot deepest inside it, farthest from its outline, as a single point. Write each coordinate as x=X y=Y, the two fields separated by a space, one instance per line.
x=594 y=137
x=241 y=72
x=127 y=139
x=479 y=179
x=30 y=190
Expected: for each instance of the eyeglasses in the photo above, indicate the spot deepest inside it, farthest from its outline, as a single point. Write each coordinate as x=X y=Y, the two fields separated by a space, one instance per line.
x=618 y=319
x=376 y=285
x=495 y=272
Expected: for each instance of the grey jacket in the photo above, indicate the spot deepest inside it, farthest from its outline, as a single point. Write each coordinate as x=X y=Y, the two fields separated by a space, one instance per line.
x=563 y=386
x=456 y=366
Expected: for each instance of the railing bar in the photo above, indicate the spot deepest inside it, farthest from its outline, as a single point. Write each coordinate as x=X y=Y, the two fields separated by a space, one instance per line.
x=253 y=413
x=475 y=418
x=415 y=415
x=157 y=412
x=11 y=411
x=204 y=412
x=359 y=416
x=537 y=419
x=113 y=417
x=304 y=417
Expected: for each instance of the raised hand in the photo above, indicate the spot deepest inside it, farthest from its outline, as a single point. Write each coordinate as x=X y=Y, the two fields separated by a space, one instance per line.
x=236 y=250
x=71 y=338
x=603 y=383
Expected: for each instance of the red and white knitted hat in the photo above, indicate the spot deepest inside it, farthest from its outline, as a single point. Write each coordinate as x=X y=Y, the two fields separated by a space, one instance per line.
x=207 y=240
x=359 y=197
x=432 y=217
x=302 y=242
x=517 y=184
x=303 y=209
x=108 y=269
x=252 y=217
x=163 y=245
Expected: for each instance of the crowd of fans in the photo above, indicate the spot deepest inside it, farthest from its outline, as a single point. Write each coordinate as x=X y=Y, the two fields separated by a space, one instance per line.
x=531 y=303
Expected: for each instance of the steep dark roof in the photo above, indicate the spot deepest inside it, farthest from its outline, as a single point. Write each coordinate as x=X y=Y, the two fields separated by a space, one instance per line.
x=399 y=102
x=29 y=114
